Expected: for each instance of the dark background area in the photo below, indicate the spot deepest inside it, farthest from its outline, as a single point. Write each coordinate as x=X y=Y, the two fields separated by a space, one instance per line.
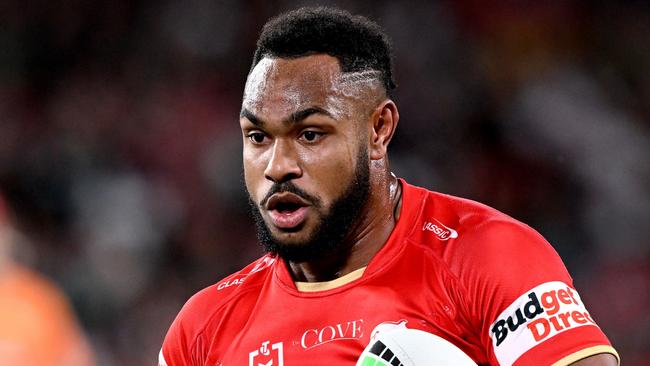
x=120 y=145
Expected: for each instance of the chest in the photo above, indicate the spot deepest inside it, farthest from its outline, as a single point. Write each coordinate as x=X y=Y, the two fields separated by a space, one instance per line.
x=281 y=327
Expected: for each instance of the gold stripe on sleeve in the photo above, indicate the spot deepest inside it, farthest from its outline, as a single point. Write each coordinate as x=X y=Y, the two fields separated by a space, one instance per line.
x=584 y=353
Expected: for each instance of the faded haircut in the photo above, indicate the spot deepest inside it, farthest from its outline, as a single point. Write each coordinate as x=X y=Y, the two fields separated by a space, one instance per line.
x=358 y=43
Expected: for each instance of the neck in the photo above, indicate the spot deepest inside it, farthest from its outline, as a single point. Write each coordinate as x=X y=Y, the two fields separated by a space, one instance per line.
x=367 y=236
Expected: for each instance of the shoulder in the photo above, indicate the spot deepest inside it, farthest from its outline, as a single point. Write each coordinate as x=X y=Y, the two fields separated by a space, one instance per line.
x=515 y=292
x=202 y=315
x=492 y=258
x=474 y=239
x=501 y=248
x=210 y=300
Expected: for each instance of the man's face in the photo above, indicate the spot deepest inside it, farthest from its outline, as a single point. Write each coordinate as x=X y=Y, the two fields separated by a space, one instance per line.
x=305 y=154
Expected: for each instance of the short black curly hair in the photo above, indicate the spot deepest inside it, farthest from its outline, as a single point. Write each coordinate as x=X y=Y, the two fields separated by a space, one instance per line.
x=358 y=43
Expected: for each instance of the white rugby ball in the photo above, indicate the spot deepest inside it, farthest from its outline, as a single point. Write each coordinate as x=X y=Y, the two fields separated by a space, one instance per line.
x=395 y=345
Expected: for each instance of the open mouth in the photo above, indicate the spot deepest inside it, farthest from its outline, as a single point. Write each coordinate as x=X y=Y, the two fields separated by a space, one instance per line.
x=287 y=210
x=287 y=207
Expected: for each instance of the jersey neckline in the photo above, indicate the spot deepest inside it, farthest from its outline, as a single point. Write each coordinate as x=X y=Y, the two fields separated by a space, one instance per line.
x=327 y=285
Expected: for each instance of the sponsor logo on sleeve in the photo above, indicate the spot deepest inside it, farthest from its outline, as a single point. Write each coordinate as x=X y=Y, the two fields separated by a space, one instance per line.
x=540 y=314
x=440 y=230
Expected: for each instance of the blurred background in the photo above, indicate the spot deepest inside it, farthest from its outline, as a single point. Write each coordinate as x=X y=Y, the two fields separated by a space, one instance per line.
x=120 y=158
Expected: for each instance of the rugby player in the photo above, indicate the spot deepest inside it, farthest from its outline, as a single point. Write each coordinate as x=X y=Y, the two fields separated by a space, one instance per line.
x=362 y=267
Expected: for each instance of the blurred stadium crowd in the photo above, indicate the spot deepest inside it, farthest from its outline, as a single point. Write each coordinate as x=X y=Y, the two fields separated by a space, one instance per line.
x=120 y=146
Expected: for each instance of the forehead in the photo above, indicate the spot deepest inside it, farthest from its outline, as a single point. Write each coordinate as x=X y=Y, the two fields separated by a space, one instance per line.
x=314 y=70
x=277 y=87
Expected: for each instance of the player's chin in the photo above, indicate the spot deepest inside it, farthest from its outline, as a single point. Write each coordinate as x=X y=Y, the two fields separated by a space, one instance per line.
x=297 y=252
x=298 y=236
x=295 y=236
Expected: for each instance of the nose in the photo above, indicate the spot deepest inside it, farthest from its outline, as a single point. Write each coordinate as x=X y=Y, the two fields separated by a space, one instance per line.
x=283 y=165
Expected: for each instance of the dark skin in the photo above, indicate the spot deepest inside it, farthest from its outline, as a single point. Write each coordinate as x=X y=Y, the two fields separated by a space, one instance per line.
x=317 y=150
x=300 y=123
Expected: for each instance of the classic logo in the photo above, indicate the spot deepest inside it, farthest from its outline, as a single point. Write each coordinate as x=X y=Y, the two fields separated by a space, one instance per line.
x=541 y=313
x=260 y=265
x=225 y=284
x=318 y=336
x=441 y=231
x=265 y=356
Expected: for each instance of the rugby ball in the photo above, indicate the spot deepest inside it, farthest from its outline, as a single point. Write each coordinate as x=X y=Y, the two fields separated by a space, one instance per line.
x=393 y=344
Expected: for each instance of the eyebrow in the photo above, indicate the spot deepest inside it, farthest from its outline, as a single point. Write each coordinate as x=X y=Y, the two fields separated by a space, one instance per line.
x=245 y=113
x=295 y=117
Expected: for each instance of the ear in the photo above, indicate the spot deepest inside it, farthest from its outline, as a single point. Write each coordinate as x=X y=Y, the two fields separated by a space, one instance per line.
x=383 y=124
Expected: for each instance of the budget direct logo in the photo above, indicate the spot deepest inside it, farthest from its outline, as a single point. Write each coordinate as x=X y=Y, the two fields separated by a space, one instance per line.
x=541 y=313
x=441 y=231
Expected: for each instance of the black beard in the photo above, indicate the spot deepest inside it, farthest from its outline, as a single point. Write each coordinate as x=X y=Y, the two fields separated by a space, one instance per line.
x=330 y=235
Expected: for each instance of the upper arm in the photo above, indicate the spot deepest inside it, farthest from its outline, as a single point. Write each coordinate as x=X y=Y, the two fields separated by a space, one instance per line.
x=176 y=348
x=523 y=300
x=183 y=344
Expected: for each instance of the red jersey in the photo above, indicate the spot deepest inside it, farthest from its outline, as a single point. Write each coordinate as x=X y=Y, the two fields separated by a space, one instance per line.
x=455 y=268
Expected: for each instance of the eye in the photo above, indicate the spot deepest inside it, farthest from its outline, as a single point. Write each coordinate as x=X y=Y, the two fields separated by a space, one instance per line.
x=256 y=137
x=311 y=136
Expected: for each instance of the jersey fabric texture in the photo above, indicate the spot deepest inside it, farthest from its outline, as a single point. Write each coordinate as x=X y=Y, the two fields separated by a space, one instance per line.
x=452 y=267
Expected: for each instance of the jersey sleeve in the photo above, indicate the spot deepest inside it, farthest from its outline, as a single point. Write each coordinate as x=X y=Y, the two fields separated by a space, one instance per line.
x=183 y=344
x=521 y=298
x=190 y=337
x=176 y=347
